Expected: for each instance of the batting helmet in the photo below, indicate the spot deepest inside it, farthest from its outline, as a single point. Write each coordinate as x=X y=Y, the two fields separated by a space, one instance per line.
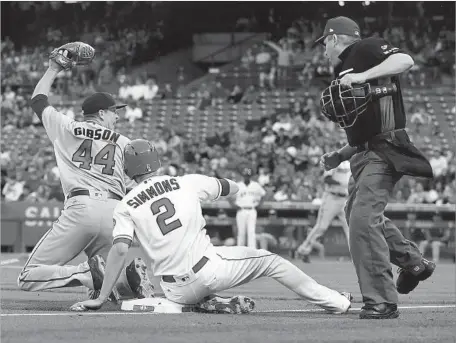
x=140 y=157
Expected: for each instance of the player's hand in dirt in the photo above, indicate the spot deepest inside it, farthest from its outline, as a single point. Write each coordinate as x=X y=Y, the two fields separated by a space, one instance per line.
x=330 y=160
x=87 y=305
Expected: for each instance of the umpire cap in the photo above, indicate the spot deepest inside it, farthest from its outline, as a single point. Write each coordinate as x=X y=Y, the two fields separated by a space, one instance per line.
x=339 y=26
x=140 y=157
x=99 y=101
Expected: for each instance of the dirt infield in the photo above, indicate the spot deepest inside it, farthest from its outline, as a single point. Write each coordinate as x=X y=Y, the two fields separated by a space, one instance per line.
x=427 y=315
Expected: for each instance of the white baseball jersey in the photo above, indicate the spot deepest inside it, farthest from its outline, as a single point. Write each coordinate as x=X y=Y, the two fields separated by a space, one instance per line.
x=88 y=155
x=340 y=174
x=249 y=195
x=164 y=212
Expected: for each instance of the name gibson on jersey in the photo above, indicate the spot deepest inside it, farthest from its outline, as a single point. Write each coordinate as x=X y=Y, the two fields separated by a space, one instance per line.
x=158 y=188
x=104 y=134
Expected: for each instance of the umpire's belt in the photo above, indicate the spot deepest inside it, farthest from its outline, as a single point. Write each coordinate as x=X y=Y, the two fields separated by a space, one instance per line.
x=390 y=135
x=196 y=268
x=87 y=193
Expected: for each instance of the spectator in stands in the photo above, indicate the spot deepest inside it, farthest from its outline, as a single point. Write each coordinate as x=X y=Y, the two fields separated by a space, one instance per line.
x=399 y=197
x=418 y=195
x=439 y=163
x=299 y=57
x=167 y=92
x=284 y=122
x=150 y=89
x=264 y=176
x=419 y=117
x=283 y=193
x=40 y=195
x=267 y=76
x=139 y=90
x=284 y=59
x=436 y=238
x=204 y=97
x=125 y=89
x=175 y=142
x=265 y=240
x=235 y=95
x=133 y=112
x=106 y=77
x=247 y=59
x=14 y=187
x=9 y=95
x=219 y=92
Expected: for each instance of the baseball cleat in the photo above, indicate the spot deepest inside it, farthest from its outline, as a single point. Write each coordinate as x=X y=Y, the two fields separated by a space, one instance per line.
x=138 y=279
x=407 y=282
x=97 y=267
x=233 y=305
x=379 y=311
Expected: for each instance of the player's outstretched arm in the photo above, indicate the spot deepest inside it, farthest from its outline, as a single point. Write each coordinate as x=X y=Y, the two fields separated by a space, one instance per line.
x=40 y=94
x=114 y=266
x=44 y=85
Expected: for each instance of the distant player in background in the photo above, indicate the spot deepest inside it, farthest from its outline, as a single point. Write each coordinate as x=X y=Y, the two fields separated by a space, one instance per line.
x=332 y=206
x=165 y=214
x=250 y=196
x=89 y=157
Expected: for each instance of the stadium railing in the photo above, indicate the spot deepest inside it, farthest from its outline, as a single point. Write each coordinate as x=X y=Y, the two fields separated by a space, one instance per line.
x=24 y=223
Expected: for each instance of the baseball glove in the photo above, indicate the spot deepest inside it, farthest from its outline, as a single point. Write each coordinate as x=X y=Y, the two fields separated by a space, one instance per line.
x=73 y=54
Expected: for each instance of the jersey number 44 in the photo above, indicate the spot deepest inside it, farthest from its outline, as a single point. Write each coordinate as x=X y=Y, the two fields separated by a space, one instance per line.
x=105 y=157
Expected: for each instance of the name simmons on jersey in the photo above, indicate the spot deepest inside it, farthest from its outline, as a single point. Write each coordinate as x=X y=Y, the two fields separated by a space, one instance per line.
x=98 y=134
x=158 y=188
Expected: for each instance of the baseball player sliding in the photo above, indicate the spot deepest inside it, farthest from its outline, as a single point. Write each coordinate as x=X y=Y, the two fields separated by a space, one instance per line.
x=89 y=156
x=332 y=206
x=164 y=213
x=249 y=197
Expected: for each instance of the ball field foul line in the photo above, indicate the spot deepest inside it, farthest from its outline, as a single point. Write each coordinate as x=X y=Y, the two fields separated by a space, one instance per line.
x=57 y=314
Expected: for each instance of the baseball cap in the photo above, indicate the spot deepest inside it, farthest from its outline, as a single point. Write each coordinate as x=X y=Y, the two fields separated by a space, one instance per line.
x=99 y=101
x=339 y=26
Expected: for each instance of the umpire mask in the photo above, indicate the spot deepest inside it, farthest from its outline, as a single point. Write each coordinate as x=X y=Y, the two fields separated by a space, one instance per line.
x=342 y=104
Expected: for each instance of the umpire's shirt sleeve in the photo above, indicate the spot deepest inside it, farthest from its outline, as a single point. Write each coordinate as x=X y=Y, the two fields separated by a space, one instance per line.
x=376 y=50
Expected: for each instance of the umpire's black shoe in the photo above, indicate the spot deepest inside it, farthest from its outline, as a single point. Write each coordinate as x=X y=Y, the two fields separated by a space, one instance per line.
x=407 y=281
x=379 y=311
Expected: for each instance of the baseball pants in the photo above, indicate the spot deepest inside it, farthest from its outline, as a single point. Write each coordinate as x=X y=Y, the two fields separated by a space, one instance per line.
x=229 y=267
x=85 y=224
x=246 y=224
x=374 y=240
x=332 y=206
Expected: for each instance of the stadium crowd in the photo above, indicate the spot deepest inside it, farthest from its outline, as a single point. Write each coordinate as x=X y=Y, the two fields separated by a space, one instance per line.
x=284 y=150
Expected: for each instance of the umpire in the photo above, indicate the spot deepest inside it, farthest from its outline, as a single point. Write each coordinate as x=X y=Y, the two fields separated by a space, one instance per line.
x=380 y=153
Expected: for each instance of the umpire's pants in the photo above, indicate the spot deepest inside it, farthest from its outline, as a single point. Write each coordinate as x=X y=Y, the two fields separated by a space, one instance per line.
x=374 y=240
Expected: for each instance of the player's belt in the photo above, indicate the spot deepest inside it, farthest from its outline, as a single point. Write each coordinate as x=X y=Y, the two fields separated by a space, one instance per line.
x=339 y=194
x=196 y=268
x=87 y=192
x=247 y=208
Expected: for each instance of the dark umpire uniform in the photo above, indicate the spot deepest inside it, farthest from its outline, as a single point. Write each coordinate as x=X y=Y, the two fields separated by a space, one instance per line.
x=384 y=154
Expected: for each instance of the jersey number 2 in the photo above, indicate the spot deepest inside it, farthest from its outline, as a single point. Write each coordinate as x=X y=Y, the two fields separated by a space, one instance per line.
x=170 y=211
x=105 y=157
